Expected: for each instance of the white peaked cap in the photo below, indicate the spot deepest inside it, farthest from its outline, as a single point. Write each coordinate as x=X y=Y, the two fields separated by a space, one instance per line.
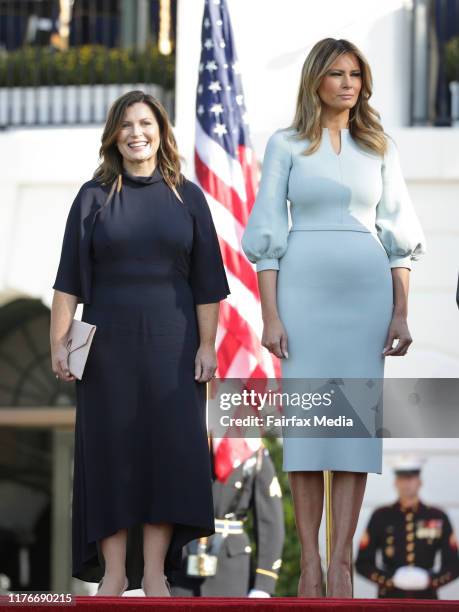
x=407 y=462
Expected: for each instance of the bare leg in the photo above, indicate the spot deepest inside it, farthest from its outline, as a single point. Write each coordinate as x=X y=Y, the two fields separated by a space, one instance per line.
x=348 y=489
x=156 y=539
x=114 y=553
x=308 y=494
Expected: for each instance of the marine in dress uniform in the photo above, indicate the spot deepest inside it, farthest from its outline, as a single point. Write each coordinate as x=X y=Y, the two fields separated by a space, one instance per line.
x=409 y=534
x=220 y=565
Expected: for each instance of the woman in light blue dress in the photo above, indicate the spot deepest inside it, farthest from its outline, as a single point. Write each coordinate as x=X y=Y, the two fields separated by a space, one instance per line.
x=333 y=286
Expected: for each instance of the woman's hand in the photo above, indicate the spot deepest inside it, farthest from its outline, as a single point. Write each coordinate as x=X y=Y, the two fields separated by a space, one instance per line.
x=62 y=311
x=275 y=337
x=398 y=328
x=60 y=364
x=205 y=363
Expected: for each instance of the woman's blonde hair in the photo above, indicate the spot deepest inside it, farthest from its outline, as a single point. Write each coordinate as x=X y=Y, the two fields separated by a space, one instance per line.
x=168 y=158
x=364 y=121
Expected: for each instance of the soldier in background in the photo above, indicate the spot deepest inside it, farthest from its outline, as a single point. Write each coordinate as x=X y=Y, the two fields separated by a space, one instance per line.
x=409 y=534
x=220 y=565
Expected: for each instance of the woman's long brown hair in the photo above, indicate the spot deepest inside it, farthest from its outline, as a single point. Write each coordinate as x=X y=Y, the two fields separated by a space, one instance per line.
x=364 y=121
x=168 y=158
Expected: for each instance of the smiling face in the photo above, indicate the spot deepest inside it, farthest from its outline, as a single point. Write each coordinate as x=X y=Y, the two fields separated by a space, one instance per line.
x=139 y=136
x=341 y=85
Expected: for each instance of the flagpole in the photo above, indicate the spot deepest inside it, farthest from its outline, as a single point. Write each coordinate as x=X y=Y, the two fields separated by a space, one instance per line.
x=328 y=515
x=207 y=415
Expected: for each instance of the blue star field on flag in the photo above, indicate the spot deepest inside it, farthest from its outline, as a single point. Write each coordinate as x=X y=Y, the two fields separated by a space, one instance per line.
x=220 y=105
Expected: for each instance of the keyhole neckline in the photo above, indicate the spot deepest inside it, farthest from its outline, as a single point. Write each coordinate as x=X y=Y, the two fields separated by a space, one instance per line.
x=342 y=140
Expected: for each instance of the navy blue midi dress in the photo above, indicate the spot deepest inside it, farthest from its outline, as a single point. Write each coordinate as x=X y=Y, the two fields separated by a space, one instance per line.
x=140 y=264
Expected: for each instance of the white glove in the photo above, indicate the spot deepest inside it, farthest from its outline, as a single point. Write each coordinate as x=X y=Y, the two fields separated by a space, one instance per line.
x=257 y=593
x=411 y=578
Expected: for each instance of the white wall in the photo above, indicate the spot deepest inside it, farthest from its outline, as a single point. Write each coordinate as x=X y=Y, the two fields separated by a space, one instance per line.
x=43 y=170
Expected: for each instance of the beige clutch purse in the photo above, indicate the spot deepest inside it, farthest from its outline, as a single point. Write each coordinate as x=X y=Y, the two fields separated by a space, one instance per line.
x=78 y=344
x=81 y=333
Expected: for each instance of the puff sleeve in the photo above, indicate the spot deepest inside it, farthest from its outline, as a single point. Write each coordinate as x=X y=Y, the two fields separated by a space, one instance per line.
x=265 y=237
x=207 y=275
x=397 y=224
x=68 y=277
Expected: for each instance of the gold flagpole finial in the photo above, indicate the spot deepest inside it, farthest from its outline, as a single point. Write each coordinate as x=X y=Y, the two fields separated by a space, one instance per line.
x=164 y=38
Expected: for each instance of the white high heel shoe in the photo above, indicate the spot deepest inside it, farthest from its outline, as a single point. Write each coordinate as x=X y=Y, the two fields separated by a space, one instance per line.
x=126 y=584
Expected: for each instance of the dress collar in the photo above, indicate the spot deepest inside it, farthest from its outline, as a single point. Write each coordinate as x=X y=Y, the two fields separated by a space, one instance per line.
x=145 y=180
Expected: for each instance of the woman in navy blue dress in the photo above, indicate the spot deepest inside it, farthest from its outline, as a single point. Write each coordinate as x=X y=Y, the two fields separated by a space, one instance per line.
x=146 y=265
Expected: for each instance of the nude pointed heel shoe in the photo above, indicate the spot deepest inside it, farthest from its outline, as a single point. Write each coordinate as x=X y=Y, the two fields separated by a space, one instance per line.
x=126 y=584
x=167 y=585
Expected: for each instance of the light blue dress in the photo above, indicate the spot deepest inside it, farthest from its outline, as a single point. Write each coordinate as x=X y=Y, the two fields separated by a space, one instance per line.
x=352 y=220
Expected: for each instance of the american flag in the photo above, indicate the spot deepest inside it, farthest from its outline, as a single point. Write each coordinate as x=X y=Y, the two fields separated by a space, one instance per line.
x=226 y=169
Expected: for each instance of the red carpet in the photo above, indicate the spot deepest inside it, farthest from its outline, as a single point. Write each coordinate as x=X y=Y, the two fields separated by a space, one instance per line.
x=222 y=604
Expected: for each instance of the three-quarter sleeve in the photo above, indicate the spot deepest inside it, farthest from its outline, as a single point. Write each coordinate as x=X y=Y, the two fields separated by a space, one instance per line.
x=265 y=237
x=207 y=276
x=397 y=224
x=68 y=277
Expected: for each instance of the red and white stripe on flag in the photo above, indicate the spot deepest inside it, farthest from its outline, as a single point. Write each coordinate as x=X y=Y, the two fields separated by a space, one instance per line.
x=226 y=169
x=230 y=188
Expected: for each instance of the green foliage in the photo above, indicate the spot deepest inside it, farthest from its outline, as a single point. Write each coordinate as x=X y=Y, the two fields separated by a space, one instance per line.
x=452 y=59
x=85 y=65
